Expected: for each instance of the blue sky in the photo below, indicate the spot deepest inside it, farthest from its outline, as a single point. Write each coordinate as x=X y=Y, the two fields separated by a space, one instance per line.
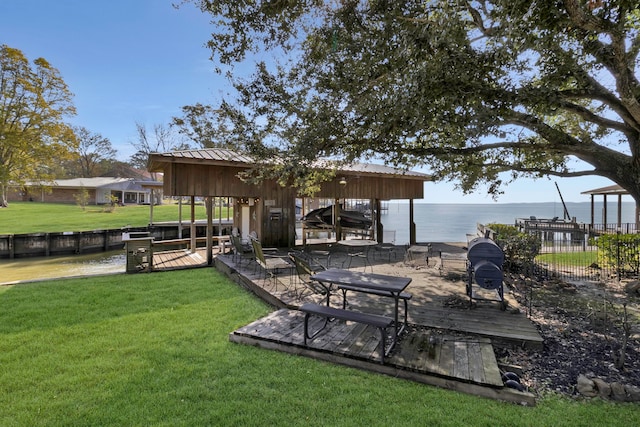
x=139 y=61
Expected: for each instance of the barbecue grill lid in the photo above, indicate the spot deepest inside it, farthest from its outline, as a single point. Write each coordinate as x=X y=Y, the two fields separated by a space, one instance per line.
x=482 y=248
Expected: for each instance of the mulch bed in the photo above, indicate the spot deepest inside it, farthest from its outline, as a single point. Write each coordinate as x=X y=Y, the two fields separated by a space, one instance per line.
x=582 y=335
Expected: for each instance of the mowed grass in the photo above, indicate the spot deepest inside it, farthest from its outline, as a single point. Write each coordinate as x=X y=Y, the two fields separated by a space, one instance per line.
x=572 y=259
x=153 y=350
x=33 y=217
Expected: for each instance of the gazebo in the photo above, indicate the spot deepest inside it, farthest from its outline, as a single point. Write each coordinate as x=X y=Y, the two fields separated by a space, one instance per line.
x=268 y=209
x=612 y=190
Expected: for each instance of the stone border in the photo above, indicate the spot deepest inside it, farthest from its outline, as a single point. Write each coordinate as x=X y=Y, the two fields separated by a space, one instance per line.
x=596 y=387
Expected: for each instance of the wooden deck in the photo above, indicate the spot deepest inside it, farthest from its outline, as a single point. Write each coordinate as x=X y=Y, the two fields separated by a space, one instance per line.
x=465 y=364
x=179 y=259
x=460 y=358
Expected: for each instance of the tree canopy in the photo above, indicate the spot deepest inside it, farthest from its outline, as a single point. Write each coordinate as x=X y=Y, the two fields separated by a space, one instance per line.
x=95 y=153
x=162 y=139
x=34 y=101
x=481 y=92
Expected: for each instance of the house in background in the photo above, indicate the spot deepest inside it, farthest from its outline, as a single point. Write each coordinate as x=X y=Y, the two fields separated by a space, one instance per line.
x=101 y=190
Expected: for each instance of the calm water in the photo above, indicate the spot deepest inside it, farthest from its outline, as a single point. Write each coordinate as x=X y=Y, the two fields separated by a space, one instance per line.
x=62 y=266
x=452 y=222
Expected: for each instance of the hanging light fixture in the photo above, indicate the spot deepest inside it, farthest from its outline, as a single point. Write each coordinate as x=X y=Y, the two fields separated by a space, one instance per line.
x=343 y=181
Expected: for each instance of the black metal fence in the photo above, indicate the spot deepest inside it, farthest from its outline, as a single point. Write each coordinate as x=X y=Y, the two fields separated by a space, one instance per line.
x=585 y=252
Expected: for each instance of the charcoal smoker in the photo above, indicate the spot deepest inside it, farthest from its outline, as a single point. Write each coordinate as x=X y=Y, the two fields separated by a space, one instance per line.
x=484 y=267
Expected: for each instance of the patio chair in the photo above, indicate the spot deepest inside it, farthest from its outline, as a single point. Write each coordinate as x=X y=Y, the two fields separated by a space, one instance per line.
x=305 y=268
x=240 y=250
x=271 y=264
x=321 y=253
x=388 y=245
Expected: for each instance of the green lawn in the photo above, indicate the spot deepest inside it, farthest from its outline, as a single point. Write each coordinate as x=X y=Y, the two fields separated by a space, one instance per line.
x=32 y=217
x=572 y=259
x=153 y=350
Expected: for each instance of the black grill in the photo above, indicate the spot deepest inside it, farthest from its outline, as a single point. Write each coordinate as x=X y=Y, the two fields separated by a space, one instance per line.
x=485 y=259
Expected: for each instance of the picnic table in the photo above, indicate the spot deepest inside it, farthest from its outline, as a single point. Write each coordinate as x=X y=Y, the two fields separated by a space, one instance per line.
x=379 y=284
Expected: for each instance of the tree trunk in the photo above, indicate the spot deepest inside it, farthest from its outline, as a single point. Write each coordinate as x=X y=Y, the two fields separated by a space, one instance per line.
x=3 y=199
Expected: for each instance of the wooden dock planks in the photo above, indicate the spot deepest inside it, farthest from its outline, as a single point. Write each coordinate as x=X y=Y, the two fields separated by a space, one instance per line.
x=179 y=259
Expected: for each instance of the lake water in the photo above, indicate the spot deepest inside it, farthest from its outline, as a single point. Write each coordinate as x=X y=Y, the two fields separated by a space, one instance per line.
x=439 y=222
x=62 y=266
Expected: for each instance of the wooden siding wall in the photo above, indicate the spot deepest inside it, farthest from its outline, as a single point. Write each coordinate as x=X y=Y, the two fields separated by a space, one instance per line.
x=275 y=205
x=203 y=181
x=373 y=187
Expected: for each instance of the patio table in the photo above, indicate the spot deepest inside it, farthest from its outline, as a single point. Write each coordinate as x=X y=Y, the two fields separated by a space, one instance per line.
x=382 y=284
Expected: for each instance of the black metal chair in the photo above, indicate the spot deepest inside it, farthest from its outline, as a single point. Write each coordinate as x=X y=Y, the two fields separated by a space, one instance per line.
x=305 y=268
x=240 y=250
x=270 y=264
x=388 y=245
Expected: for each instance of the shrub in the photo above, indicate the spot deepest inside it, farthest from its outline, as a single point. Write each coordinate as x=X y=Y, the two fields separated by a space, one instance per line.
x=619 y=251
x=520 y=249
x=82 y=198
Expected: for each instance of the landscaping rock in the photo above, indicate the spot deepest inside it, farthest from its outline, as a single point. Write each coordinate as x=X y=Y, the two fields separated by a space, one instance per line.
x=603 y=387
x=633 y=393
x=618 y=392
x=586 y=387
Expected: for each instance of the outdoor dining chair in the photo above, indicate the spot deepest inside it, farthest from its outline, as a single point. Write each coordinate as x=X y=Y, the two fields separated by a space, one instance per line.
x=305 y=268
x=388 y=245
x=240 y=250
x=271 y=264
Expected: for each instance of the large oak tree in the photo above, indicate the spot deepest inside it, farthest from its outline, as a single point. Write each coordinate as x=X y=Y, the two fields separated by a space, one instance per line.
x=481 y=92
x=34 y=101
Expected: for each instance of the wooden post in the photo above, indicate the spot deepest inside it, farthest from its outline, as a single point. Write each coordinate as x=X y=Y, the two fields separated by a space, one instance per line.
x=12 y=248
x=180 y=218
x=220 y=242
x=303 y=212
x=604 y=213
x=593 y=221
x=209 y=204
x=412 y=224
x=379 y=225
x=619 y=211
x=336 y=220
x=151 y=208
x=193 y=224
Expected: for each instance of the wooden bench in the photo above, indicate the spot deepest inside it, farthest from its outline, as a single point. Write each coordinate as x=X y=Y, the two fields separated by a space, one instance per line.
x=404 y=296
x=380 y=322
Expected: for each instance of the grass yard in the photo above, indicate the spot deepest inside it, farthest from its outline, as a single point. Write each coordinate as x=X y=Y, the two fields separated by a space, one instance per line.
x=153 y=350
x=572 y=259
x=32 y=217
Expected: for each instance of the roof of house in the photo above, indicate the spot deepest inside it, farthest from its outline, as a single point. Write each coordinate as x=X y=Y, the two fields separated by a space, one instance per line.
x=99 y=182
